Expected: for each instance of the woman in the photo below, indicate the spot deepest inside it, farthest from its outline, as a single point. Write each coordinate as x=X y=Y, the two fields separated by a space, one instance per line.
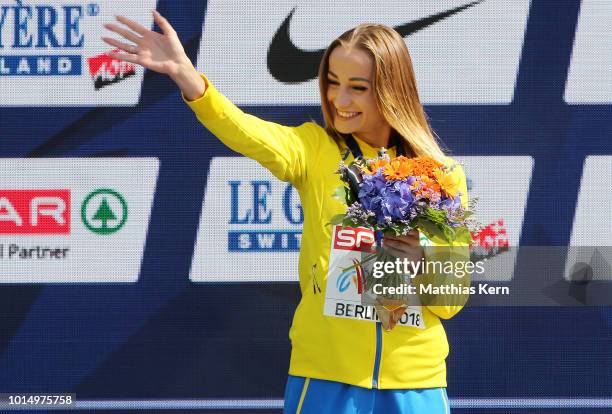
x=369 y=100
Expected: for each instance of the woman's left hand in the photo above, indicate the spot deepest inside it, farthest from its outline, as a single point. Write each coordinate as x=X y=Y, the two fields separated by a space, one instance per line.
x=407 y=246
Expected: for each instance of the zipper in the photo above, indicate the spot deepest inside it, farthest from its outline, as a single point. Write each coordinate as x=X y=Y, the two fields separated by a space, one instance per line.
x=378 y=238
x=378 y=354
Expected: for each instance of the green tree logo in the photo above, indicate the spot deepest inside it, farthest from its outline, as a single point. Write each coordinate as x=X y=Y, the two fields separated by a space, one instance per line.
x=104 y=211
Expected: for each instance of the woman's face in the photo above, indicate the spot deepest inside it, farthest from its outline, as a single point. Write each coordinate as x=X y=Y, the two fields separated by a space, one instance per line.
x=351 y=96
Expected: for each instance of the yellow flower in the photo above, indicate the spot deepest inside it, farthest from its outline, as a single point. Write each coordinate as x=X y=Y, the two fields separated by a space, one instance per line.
x=448 y=181
x=431 y=184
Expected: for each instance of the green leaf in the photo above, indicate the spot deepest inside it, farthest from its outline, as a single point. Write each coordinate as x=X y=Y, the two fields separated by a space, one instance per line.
x=436 y=216
x=463 y=235
x=345 y=195
x=449 y=233
x=434 y=231
x=337 y=219
x=349 y=223
x=340 y=194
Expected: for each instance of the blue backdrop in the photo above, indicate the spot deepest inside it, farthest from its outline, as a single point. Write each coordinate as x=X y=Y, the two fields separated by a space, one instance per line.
x=165 y=337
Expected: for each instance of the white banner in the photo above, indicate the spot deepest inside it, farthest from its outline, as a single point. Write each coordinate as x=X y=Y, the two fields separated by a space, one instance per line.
x=592 y=222
x=66 y=220
x=268 y=52
x=589 y=80
x=501 y=185
x=51 y=53
x=251 y=225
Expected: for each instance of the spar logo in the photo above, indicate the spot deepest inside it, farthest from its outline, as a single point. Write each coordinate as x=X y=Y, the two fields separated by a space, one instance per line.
x=42 y=39
x=104 y=211
x=105 y=70
x=34 y=211
x=22 y=212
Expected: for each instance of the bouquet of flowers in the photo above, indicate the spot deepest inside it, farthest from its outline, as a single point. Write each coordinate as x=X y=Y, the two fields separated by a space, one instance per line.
x=394 y=196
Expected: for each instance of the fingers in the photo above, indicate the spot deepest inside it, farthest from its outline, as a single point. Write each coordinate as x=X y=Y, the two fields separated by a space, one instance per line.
x=135 y=26
x=408 y=239
x=394 y=250
x=403 y=249
x=411 y=233
x=124 y=56
x=163 y=24
x=120 y=45
x=123 y=32
x=387 y=242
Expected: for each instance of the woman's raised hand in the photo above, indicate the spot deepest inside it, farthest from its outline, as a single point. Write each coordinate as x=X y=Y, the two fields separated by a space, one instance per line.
x=160 y=52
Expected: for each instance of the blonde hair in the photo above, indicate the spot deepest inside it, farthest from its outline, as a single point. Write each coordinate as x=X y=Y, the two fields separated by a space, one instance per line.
x=394 y=87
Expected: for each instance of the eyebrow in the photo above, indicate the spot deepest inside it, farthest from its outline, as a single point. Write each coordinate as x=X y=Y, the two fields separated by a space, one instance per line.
x=353 y=79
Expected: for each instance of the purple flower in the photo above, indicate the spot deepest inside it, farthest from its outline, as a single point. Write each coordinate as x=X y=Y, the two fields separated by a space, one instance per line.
x=403 y=189
x=372 y=183
x=358 y=214
x=370 y=191
x=450 y=202
x=396 y=200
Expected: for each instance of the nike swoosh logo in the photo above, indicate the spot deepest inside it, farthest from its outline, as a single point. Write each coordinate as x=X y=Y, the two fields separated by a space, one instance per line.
x=290 y=64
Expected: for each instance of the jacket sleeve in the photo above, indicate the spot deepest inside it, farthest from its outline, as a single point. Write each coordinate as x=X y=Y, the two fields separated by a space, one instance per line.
x=446 y=306
x=281 y=149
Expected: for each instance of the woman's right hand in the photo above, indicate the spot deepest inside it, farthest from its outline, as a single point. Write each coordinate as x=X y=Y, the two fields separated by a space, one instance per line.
x=160 y=52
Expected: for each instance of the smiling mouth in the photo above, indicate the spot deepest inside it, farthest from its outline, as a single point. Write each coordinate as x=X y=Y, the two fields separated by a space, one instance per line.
x=347 y=115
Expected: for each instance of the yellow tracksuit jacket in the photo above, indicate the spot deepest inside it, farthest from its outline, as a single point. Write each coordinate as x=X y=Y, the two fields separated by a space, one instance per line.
x=324 y=347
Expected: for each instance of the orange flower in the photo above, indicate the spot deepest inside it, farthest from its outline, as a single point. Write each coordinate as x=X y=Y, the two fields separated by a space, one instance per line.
x=380 y=163
x=398 y=169
x=425 y=166
x=430 y=184
x=448 y=181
